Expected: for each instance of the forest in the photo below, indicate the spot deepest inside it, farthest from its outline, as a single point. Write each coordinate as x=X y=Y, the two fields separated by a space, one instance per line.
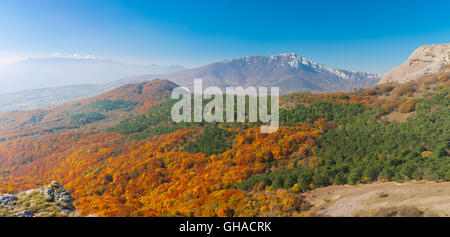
x=362 y=148
x=121 y=163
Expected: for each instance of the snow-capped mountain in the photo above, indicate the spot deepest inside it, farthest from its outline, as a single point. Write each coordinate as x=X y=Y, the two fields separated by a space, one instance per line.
x=289 y=71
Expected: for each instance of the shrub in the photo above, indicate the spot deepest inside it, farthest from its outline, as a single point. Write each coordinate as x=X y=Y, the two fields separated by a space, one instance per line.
x=340 y=179
x=387 y=87
x=405 y=89
x=225 y=211
x=370 y=91
x=407 y=106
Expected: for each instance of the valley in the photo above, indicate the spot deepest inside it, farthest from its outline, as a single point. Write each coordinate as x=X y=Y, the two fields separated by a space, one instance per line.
x=335 y=154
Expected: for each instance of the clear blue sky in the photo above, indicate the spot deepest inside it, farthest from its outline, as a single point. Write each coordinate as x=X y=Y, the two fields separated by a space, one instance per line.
x=362 y=35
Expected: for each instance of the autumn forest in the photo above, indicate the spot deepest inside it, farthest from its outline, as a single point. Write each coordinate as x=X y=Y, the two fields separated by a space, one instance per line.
x=119 y=154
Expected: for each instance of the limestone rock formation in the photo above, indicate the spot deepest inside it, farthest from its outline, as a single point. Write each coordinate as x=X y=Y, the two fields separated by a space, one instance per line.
x=426 y=60
x=52 y=200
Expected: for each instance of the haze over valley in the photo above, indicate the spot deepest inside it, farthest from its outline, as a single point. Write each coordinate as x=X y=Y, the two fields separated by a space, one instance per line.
x=40 y=73
x=84 y=78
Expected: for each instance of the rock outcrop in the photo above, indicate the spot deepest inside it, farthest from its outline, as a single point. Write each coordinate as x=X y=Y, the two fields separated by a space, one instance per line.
x=426 y=60
x=52 y=200
x=56 y=192
x=6 y=199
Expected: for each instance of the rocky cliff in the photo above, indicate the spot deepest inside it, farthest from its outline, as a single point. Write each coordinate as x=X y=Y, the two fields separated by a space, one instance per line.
x=426 y=60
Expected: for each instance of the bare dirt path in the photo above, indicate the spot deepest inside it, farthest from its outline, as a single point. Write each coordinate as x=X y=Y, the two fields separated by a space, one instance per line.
x=382 y=199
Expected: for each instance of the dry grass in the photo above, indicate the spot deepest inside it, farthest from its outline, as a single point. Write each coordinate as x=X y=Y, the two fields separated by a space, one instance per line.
x=403 y=211
x=381 y=199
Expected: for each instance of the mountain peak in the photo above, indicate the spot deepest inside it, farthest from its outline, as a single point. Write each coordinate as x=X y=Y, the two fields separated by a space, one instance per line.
x=291 y=54
x=288 y=71
x=141 y=91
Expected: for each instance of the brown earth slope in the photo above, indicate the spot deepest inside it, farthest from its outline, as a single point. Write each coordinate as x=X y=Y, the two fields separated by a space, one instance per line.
x=382 y=199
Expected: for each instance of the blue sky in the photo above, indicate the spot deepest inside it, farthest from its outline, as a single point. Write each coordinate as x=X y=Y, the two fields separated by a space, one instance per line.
x=369 y=36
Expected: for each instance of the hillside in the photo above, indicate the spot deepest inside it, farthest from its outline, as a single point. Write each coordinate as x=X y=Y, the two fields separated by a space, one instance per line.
x=38 y=98
x=290 y=72
x=410 y=199
x=85 y=114
x=119 y=154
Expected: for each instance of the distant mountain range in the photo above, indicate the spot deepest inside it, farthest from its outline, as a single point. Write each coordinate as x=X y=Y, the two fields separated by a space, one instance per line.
x=37 y=73
x=289 y=72
x=91 y=77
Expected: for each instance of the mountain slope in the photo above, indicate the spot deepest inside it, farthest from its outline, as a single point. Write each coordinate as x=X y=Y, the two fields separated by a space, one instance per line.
x=410 y=199
x=118 y=159
x=426 y=60
x=100 y=111
x=37 y=98
x=290 y=72
x=35 y=73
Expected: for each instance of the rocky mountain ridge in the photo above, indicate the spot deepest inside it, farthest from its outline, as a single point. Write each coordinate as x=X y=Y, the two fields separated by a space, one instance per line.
x=289 y=72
